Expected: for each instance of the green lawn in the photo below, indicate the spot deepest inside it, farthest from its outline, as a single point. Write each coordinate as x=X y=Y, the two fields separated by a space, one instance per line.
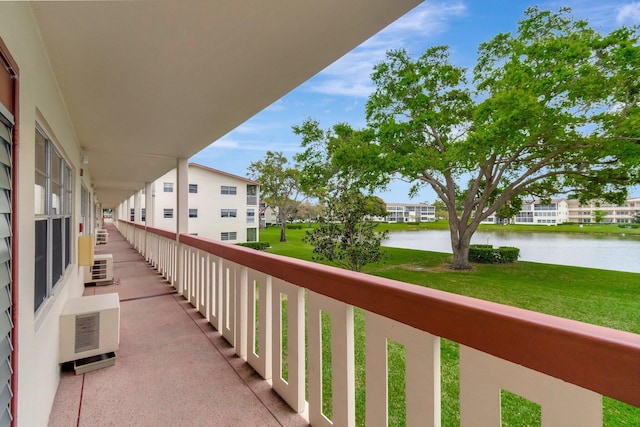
x=601 y=297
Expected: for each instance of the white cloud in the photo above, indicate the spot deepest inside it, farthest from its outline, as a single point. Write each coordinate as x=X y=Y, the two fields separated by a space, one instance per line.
x=247 y=145
x=224 y=143
x=343 y=87
x=257 y=127
x=629 y=14
x=602 y=15
x=351 y=75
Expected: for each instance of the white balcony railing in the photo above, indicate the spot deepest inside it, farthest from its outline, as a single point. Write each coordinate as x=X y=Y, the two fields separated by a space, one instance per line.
x=563 y=365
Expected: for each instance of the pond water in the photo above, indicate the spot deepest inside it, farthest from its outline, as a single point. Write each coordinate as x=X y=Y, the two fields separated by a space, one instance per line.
x=610 y=252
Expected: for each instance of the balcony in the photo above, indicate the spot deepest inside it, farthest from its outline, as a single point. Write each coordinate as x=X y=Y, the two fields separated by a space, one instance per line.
x=202 y=325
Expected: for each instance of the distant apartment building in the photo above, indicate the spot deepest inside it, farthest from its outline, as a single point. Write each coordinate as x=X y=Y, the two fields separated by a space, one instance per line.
x=408 y=212
x=535 y=212
x=222 y=206
x=609 y=213
x=560 y=211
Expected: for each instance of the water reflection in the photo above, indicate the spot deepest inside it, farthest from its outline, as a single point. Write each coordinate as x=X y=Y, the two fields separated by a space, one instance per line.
x=610 y=252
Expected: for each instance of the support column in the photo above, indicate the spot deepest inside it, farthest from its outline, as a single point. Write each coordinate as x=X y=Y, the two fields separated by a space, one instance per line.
x=137 y=205
x=149 y=205
x=127 y=212
x=99 y=216
x=182 y=217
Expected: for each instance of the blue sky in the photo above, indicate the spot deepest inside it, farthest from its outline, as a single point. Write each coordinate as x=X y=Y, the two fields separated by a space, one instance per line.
x=339 y=92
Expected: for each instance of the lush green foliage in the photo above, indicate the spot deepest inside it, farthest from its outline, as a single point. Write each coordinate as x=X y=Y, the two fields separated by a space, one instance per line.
x=345 y=235
x=553 y=108
x=255 y=245
x=627 y=226
x=279 y=186
x=487 y=254
x=599 y=215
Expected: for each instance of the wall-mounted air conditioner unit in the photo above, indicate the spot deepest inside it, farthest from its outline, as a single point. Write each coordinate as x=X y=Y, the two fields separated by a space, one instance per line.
x=101 y=236
x=101 y=272
x=90 y=331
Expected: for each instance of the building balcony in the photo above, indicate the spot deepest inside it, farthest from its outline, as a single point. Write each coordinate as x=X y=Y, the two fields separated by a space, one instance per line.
x=216 y=334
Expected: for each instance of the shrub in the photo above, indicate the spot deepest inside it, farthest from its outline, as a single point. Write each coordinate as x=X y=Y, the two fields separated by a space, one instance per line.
x=629 y=225
x=480 y=246
x=487 y=254
x=294 y=226
x=255 y=245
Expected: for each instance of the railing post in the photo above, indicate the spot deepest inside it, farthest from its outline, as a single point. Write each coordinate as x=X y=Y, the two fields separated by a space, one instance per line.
x=483 y=376
x=342 y=361
x=241 y=324
x=422 y=371
x=292 y=389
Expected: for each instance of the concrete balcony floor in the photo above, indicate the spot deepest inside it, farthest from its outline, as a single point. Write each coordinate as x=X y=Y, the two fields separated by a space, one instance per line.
x=172 y=367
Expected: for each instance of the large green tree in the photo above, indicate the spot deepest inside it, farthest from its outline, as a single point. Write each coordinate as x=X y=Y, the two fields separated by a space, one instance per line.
x=553 y=108
x=346 y=234
x=279 y=186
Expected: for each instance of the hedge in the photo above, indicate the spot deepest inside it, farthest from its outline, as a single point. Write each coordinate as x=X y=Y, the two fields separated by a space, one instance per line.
x=294 y=226
x=255 y=245
x=486 y=254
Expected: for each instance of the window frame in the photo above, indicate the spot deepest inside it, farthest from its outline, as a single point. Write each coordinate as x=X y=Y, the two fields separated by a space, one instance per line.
x=167 y=213
x=251 y=216
x=193 y=188
x=228 y=190
x=57 y=216
x=167 y=187
x=230 y=213
x=228 y=235
x=193 y=213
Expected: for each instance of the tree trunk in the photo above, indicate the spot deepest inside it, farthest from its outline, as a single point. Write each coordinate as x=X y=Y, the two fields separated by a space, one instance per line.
x=283 y=228
x=460 y=241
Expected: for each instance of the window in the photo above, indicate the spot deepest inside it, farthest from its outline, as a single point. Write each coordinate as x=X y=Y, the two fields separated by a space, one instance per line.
x=143 y=215
x=228 y=213
x=168 y=187
x=252 y=235
x=228 y=235
x=252 y=195
x=132 y=215
x=53 y=194
x=193 y=188
x=251 y=215
x=225 y=189
x=193 y=213
x=168 y=213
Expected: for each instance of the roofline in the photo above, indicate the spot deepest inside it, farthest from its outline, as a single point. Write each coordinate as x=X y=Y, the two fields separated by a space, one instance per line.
x=408 y=204
x=207 y=168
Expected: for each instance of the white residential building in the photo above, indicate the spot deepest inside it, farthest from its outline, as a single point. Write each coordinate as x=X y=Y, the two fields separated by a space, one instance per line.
x=560 y=211
x=222 y=206
x=535 y=212
x=613 y=214
x=408 y=212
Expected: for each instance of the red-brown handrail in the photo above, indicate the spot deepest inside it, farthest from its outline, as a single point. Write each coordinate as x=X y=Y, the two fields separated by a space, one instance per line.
x=601 y=359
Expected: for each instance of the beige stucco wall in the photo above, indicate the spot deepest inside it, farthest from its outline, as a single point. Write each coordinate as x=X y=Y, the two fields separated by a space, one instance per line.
x=40 y=102
x=208 y=201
